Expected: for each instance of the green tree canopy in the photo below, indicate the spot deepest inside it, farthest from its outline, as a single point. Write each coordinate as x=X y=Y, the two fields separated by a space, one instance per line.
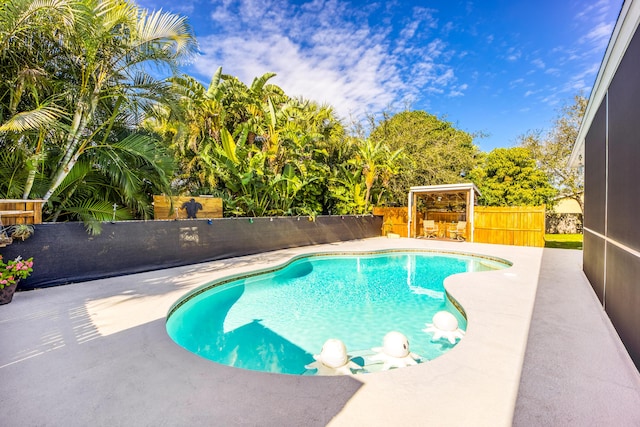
x=552 y=150
x=434 y=152
x=509 y=177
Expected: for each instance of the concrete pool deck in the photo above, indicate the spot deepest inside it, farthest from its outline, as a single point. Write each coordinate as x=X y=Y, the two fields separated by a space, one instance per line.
x=97 y=353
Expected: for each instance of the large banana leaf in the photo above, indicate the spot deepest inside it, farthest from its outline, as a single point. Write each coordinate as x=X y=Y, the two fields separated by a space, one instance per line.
x=229 y=145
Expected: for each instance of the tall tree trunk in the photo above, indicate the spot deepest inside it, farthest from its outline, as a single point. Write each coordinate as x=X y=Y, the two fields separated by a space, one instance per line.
x=81 y=117
x=32 y=166
x=28 y=185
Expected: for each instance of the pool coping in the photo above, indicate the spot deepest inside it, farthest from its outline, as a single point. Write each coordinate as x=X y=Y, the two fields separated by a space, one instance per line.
x=476 y=383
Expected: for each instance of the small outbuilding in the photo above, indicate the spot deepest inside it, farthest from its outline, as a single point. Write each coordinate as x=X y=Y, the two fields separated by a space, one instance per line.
x=450 y=206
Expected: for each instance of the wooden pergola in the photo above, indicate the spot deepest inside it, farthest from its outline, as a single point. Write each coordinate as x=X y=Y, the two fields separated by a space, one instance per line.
x=443 y=203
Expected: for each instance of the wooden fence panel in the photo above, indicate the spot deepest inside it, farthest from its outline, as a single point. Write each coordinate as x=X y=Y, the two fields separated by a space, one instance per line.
x=394 y=220
x=211 y=207
x=19 y=211
x=519 y=226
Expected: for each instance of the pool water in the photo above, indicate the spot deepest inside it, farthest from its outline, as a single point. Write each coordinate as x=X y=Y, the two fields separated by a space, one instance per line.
x=277 y=321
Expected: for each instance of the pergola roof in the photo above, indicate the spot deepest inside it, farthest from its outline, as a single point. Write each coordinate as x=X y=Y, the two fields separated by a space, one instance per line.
x=445 y=188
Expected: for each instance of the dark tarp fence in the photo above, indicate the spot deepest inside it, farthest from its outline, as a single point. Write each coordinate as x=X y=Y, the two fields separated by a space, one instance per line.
x=65 y=253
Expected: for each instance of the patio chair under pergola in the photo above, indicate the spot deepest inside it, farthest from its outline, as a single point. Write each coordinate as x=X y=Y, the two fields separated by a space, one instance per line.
x=448 y=203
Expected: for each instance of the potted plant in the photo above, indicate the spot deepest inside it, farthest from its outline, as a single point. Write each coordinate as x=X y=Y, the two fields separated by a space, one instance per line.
x=10 y=274
x=5 y=239
x=21 y=231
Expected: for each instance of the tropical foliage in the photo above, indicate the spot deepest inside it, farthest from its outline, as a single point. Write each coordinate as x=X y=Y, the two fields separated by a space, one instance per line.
x=263 y=152
x=74 y=87
x=95 y=119
x=510 y=177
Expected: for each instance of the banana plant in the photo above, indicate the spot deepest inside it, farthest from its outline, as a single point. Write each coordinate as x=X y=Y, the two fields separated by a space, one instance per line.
x=347 y=192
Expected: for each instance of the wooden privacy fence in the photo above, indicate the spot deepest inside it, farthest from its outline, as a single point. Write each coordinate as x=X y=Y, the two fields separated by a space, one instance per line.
x=512 y=225
x=519 y=225
x=20 y=211
x=394 y=220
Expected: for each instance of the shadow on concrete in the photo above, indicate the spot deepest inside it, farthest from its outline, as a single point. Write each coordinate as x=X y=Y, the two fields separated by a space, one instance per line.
x=56 y=368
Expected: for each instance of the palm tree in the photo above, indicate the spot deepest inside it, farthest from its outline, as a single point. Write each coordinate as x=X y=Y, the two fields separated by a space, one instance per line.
x=108 y=49
x=85 y=92
x=28 y=109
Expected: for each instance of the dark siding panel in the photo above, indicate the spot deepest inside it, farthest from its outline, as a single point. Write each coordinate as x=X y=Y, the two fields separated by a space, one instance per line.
x=624 y=149
x=595 y=171
x=594 y=262
x=623 y=298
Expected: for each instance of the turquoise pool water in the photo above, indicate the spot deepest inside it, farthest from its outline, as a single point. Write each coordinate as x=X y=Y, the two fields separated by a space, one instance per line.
x=277 y=321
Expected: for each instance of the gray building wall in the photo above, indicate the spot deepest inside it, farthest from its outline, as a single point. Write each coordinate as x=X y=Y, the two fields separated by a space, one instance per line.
x=612 y=200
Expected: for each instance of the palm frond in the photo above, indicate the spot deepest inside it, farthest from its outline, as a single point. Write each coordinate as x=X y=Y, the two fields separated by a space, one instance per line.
x=16 y=16
x=165 y=26
x=38 y=118
x=93 y=213
x=12 y=174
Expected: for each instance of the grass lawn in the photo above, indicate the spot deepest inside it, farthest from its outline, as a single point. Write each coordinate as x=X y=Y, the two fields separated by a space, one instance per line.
x=563 y=241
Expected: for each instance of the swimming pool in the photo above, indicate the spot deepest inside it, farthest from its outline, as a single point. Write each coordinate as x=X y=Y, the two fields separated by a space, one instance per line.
x=277 y=320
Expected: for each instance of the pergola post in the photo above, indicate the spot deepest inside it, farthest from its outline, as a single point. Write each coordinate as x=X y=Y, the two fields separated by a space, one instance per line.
x=412 y=215
x=471 y=200
x=409 y=208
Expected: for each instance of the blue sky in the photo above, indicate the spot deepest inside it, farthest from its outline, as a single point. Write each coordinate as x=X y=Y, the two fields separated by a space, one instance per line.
x=500 y=68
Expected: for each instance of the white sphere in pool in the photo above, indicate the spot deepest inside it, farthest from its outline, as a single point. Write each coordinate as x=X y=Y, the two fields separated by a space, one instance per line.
x=395 y=344
x=333 y=353
x=395 y=352
x=445 y=325
x=333 y=359
x=445 y=321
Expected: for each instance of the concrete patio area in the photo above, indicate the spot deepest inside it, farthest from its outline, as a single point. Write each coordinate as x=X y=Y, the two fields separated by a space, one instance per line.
x=539 y=350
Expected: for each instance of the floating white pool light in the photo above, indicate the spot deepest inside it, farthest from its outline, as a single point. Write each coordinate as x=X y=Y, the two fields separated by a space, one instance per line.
x=333 y=359
x=445 y=325
x=395 y=352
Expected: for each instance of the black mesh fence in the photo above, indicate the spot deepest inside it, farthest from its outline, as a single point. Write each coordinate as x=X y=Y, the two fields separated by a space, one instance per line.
x=65 y=253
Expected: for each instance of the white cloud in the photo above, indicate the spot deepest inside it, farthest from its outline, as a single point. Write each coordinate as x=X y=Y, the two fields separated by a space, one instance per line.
x=323 y=52
x=599 y=10
x=516 y=82
x=409 y=31
x=538 y=63
x=458 y=90
x=513 y=54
